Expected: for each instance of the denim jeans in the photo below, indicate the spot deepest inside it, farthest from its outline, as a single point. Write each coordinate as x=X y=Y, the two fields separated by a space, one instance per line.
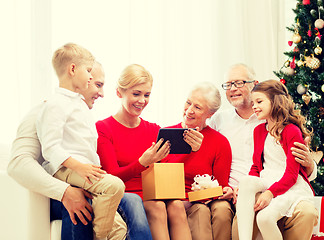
x=132 y=211
x=69 y=230
x=130 y=208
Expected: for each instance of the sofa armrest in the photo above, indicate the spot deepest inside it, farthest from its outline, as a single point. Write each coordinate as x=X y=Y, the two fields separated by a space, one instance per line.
x=25 y=214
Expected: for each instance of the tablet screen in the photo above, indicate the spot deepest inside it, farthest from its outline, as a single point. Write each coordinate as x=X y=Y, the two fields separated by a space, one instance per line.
x=175 y=136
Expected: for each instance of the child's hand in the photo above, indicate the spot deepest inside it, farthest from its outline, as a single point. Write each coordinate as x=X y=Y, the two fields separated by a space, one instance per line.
x=194 y=138
x=263 y=200
x=154 y=154
x=88 y=171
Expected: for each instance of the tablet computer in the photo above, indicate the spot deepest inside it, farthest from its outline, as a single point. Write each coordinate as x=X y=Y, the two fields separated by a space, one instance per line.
x=175 y=136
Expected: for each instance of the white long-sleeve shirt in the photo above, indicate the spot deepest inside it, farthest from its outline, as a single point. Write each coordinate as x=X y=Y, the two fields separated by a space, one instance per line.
x=26 y=159
x=239 y=133
x=66 y=129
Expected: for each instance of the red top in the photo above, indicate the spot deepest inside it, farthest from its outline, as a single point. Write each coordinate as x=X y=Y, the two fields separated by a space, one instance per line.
x=290 y=134
x=120 y=148
x=214 y=158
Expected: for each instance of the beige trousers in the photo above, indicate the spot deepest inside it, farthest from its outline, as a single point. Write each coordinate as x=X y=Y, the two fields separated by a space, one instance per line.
x=210 y=221
x=297 y=227
x=107 y=193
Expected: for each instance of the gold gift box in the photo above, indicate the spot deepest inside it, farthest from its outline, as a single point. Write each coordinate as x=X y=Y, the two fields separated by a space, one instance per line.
x=164 y=181
x=205 y=194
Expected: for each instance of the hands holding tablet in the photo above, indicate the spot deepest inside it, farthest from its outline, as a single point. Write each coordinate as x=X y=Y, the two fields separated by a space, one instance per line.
x=194 y=138
x=154 y=154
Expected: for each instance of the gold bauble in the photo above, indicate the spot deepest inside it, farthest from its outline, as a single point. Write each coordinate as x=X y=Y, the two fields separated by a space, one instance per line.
x=319 y=23
x=300 y=63
x=287 y=63
x=313 y=62
x=306 y=98
x=318 y=50
x=296 y=38
x=289 y=71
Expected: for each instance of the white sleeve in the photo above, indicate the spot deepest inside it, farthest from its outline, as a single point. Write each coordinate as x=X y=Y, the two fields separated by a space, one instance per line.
x=24 y=166
x=50 y=125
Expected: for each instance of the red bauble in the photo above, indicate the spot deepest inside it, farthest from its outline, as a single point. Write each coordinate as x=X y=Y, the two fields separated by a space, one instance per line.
x=306 y=2
x=283 y=81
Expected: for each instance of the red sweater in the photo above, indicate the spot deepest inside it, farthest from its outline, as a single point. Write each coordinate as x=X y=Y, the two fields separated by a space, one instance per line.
x=120 y=148
x=290 y=134
x=214 y=158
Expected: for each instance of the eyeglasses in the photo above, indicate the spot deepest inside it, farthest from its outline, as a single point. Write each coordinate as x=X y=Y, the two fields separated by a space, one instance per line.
x=238 y=84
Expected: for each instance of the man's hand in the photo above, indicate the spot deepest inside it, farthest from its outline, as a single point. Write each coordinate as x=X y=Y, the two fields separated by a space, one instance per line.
x=303 y=156
x=75 y=203
x=263 y=201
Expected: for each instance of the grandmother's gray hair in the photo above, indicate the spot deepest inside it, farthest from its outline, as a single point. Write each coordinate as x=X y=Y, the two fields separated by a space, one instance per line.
x=210 y=93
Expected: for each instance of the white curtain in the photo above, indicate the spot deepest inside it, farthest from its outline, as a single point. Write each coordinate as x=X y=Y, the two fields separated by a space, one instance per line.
x=181 y=42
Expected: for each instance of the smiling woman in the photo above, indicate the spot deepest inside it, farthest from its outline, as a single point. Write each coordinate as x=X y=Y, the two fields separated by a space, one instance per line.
x=181 y=42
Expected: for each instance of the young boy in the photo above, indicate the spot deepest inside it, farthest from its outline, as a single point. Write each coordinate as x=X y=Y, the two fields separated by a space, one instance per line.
x=68 y=137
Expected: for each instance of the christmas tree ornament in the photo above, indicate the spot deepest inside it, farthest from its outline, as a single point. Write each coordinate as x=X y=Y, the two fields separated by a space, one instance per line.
x=319 y=23
x=296 y=49
x=292 y=63
x=318 y=35
x=287 y=63
x=296 y=37
x=306 y=98
x=322 y=88
x=290 y=43
x=309 y=32
x=297 y=106
x=283 y=81
x=289 y=71
x=300 y=63
x=306 y=2
x=318 y=50
x=321 y=111
x=312 y=62
x=313 y=12
x=301 y=89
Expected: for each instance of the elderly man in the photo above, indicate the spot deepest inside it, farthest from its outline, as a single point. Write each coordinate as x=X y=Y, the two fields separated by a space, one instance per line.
x=237 y=124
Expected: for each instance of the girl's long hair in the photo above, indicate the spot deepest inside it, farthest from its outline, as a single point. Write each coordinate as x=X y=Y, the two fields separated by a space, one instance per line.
x=283 y=110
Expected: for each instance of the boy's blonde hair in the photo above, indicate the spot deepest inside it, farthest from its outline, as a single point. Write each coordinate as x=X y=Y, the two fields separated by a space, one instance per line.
x=70 y=53
x=133 y=75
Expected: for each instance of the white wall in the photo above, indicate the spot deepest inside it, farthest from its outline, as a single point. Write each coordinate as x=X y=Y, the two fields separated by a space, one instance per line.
x=181 y=42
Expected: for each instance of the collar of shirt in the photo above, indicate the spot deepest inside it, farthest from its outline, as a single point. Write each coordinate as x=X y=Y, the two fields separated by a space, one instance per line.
x=68 y=93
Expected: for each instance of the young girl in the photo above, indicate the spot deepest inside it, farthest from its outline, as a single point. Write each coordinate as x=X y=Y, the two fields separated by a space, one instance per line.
x=281 y=180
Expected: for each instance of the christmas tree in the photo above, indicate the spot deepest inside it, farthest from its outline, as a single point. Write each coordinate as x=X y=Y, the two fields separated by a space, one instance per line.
x=303 y=74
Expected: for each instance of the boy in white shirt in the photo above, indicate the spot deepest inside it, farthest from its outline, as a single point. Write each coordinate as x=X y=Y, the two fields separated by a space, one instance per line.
x=68 y=137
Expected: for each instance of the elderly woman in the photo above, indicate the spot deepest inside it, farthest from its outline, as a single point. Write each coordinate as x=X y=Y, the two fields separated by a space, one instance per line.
x=214 y=218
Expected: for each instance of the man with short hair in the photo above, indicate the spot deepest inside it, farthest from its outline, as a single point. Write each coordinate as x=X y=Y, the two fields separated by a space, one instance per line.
x=237 y=125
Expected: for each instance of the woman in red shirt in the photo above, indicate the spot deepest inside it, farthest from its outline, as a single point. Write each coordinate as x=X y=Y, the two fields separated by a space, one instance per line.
x=126 y=148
